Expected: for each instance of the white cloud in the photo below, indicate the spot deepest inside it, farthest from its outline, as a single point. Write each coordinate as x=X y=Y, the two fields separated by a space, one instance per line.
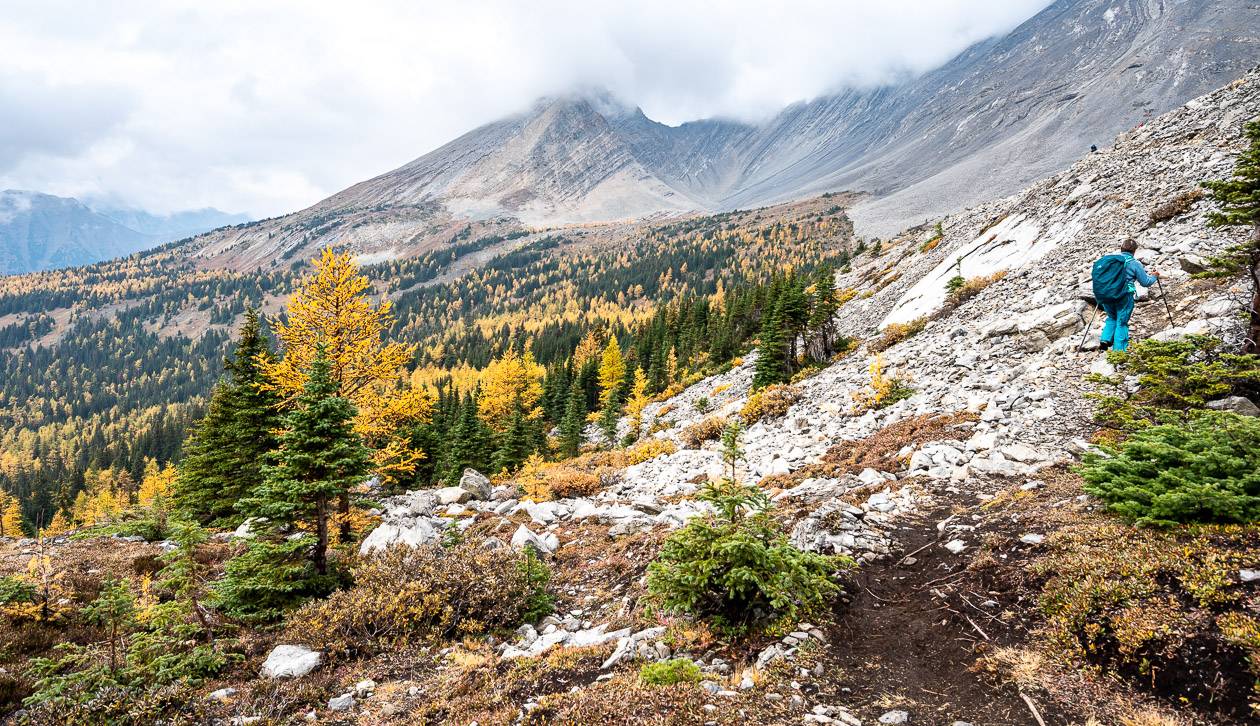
x=267 y=107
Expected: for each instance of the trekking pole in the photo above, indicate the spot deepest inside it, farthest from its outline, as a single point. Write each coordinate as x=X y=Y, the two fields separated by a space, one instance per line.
x=1164 y=296
x=1081 y=347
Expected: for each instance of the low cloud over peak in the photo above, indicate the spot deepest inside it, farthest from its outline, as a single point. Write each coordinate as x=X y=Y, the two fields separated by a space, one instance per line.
x=265 y=108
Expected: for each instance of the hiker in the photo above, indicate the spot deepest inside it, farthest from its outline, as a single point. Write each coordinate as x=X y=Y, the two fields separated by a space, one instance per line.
x=1113 y=277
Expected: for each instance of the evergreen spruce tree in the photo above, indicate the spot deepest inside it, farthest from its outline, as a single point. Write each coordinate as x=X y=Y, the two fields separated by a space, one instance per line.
x=515 y=441
x=771 y=366
x=608 y=417
x=224 y=457
x=1239 y=200
x=573 y=423
x=822 y=314
x=320 y=459
x=794 y=314
x=470 y=442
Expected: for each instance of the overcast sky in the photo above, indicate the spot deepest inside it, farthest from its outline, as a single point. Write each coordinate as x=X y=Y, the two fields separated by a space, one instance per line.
x=266 y=106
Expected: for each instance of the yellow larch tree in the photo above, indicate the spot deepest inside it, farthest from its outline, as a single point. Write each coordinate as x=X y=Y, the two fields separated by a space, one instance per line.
x=510 y=377
x=638 y=401
x=155 y=487
x=94 y=508
x=612 y=369
x=587 y=349
x=10 y=516
x=58 y=526
x=333 y=306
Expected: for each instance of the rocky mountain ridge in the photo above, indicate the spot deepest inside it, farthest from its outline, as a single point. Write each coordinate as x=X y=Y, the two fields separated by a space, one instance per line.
x=41 y=231
x=1002 y=114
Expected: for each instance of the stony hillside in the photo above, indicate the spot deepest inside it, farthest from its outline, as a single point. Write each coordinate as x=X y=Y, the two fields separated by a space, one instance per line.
x=958 y=502
x=1002 y=114
x=987 y=587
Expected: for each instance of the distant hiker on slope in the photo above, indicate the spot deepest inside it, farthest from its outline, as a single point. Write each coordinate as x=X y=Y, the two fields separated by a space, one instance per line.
x=1113 y=278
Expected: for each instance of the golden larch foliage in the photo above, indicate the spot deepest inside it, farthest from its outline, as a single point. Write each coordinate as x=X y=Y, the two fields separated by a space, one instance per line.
x=10 y=516
x=58 y=526
x=510 y=377
x=638 y=400
x=612 y=368
x=155 y=487
x=588 y=349
x=333 y=307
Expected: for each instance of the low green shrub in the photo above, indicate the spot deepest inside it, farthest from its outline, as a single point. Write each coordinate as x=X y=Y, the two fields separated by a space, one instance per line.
x=669 y=672
x=1174 y=378
x=141 y=650
x=737 y=567
x=15 y=590
x=1206 y=469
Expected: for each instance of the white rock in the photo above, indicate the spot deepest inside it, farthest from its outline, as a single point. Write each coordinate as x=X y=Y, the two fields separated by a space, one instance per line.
x=344 y=702
x=413 y=533
x=1236 y=404
x=524 y=536
x=1022 y=452
x=1033 y=539
x=956 y=546
x=290 y=661
x=778 y=467
x=476 y=484
x=1249 y=575
x=246 y=528
x=365 y=687
x=222 y=694
x=895 y=717
x=453 y=495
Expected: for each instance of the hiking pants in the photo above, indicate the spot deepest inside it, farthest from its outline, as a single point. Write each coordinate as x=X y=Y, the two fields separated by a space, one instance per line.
x=1116 y=329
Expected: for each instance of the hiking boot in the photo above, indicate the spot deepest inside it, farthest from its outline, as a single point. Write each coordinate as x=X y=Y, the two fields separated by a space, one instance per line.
x=1104 y=346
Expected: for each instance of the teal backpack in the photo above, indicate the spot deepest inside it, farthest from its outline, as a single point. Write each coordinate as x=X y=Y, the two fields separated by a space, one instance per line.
x=1110 y=281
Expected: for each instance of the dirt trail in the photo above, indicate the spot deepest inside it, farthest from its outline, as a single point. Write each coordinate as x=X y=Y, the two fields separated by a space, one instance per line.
x=916 y=628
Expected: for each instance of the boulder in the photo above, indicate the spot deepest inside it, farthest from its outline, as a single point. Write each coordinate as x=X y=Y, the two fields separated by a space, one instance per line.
x=1192 y=264
x=524 y=536
x=453 y=495
x=246 y=529
x=413 y=533
x=1218 y=308
x=1022 y=452
x=290 y=661
x=1236 y=404
x=476 y=484
x=344 y=702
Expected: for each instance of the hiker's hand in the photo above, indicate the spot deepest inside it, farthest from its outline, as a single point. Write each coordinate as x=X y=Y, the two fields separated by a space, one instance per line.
x=1155 y=274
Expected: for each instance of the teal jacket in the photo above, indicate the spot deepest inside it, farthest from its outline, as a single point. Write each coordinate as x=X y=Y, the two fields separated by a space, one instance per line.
x=1134 y=270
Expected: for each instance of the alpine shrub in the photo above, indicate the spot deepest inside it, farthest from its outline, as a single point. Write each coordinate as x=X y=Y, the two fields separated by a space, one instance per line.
x=769 y=402
x=897 y=332
x=669 y=672
x=1204 y=470
x=404 y=593
x=737 y=567
x=1174 y=378
x=697 y=433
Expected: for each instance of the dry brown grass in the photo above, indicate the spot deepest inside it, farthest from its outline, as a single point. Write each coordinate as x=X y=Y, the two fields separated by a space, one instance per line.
x=896 y=333
x=1176 y=206
x=694 y=436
